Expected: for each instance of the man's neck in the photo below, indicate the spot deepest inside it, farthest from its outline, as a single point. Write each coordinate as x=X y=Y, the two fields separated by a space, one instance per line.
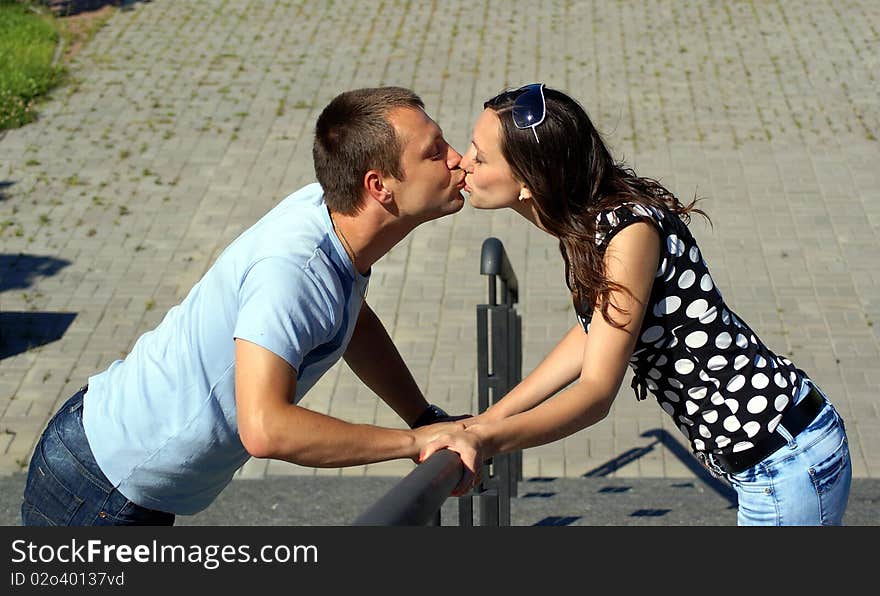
x=369 y=236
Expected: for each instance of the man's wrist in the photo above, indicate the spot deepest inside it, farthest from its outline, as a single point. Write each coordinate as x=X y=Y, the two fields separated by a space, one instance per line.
x=429 y=415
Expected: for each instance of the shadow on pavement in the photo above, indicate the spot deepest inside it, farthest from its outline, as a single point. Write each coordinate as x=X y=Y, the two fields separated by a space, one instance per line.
x=4 y=184
x=21 y=331
x=20 y=271
x=662 y=437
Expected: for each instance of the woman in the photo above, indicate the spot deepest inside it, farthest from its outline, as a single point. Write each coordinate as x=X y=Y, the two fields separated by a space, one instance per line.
x=644 y=297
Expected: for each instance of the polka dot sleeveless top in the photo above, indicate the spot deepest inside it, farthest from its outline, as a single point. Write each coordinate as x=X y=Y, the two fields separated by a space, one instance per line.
x=709 y=371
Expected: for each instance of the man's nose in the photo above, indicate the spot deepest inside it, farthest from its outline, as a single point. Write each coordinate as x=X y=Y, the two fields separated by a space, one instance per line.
x=453 y=158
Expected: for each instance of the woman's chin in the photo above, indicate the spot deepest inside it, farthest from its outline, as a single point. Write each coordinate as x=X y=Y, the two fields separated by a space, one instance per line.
x=478 y=202
x=471 y=199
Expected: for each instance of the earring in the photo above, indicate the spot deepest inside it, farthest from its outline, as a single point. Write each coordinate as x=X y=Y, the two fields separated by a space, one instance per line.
x=522 y=197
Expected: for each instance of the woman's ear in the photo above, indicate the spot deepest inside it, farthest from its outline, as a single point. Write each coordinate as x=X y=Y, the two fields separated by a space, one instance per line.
x=524 y=193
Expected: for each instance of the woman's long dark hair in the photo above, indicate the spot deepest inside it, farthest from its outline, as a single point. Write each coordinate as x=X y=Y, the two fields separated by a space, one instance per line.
x=573 y=177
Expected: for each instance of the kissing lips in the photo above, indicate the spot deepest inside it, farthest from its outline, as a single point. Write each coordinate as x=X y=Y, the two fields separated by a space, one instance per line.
x=461 y=183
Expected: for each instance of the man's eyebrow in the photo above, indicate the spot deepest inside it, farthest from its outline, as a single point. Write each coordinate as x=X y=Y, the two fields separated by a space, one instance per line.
x=430 y=145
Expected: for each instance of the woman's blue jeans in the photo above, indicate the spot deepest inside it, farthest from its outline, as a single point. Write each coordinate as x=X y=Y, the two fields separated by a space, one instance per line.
x=804 y=483
x=65 y=486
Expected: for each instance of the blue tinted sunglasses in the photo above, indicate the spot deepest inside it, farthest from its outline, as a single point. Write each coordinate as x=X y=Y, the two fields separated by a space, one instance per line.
x=529 y=108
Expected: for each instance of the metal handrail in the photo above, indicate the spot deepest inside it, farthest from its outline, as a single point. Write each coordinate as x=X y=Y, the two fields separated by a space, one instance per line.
x=494 y=263
x=416 y=499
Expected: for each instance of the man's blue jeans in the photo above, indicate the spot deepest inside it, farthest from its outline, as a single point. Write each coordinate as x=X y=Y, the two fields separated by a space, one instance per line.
x=806 y=482
x=65 y=486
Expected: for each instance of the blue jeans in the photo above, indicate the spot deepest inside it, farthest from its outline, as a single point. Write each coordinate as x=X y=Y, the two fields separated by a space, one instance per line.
x=804 y=483
x=65 y=486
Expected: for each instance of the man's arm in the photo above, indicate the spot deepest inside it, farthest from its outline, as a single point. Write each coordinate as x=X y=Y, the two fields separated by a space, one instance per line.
x=375 y=360
x=271 y=426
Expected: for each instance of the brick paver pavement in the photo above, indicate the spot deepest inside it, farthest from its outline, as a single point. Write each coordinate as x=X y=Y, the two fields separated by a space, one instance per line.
x=186 y=121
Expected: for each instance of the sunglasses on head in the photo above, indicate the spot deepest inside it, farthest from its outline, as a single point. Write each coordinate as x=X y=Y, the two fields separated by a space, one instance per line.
x=529 y=108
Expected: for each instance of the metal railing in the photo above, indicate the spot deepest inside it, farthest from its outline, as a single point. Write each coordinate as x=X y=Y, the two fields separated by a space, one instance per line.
x=499 y=369
x=416 y=500
x=418 y=497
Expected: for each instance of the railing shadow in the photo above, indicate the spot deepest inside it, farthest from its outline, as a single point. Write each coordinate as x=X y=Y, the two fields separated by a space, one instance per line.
x=662 y=437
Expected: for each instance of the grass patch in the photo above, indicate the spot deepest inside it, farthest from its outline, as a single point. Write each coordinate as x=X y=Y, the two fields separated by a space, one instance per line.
x=30 y=35
x=28 y=38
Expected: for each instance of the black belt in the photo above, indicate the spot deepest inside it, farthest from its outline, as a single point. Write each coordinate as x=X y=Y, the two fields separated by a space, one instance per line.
x=796 y=419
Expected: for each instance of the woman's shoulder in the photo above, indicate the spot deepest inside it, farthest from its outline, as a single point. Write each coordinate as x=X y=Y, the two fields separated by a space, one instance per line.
x=612 y=220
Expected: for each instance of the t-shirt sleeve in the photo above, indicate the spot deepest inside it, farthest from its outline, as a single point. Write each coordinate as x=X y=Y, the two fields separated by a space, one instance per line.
x=609 y=223
x=282 y=308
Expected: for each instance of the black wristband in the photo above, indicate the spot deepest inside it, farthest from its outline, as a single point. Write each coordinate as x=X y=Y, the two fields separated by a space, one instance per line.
x=431 y=414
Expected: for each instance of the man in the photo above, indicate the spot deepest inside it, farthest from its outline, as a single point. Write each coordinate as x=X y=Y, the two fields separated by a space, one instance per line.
x=163 y=431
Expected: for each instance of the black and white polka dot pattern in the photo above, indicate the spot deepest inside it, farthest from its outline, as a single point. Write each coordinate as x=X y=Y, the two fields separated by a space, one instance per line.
x=708 y=370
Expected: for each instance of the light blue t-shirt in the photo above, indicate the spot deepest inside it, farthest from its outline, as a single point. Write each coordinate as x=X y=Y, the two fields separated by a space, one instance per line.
x=162 y=422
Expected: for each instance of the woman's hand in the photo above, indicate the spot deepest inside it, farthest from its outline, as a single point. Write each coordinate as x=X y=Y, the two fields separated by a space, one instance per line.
x=469 y=447
x=426 y=434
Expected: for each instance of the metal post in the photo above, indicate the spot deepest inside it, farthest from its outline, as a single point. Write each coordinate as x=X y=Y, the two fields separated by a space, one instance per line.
x=499 y=365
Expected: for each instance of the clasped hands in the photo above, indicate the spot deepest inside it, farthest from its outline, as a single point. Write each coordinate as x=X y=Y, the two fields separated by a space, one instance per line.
x=457 y=434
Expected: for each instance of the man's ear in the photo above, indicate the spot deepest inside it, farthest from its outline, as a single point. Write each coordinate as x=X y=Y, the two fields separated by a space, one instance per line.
x=377 y=187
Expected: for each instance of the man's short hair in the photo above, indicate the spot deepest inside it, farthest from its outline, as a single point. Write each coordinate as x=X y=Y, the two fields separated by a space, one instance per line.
x=353 y=135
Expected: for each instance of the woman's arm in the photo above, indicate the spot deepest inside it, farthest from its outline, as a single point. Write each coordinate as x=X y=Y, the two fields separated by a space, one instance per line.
x=558 y=369
x=631 y=261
